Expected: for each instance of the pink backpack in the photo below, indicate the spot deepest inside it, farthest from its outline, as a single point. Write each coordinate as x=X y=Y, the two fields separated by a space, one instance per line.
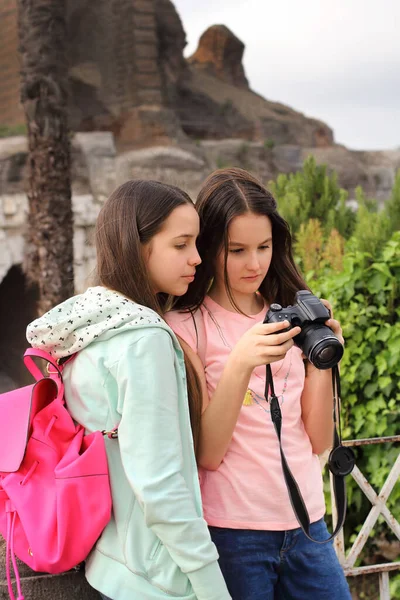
x=55 y=496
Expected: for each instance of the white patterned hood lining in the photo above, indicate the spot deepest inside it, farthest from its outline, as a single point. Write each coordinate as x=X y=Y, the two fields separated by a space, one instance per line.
x=96 y=315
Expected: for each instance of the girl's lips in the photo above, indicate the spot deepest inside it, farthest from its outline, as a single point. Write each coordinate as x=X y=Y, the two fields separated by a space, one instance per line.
x=189 y=277
x=252 y=277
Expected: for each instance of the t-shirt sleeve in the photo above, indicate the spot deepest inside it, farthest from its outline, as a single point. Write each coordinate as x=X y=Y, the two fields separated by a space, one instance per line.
x=183 y=325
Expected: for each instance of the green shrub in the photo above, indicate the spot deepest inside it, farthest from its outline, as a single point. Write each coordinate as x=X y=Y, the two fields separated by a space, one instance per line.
x=392 y=207
x=353 y=260
x=269 y=144
x=365 y=297
x=324 y=227
x=372 y=227
x=226 y=107
x=312 y=193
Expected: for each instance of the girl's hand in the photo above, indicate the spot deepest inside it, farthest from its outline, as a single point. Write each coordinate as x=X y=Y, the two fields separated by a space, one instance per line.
x=263 y=344
x=332 y=323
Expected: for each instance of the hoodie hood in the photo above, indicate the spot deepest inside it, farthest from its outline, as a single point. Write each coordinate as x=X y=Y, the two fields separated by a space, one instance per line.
x=94 y=316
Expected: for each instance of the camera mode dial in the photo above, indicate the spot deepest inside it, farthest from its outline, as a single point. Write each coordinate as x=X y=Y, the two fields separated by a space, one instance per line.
x=275 y=307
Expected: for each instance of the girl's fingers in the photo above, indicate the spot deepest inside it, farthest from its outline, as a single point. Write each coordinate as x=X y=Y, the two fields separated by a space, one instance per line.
x=268 y=328
x=278 y=350
x=328 y=306
x=336 y=328
x=334 y=325
x=278 y=339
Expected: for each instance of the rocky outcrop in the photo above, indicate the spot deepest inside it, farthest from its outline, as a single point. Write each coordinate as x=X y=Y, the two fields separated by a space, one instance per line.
x=214 y=100
x=210 y=108
x=220 y=53
x=171 y=44
x=116 y=73
x=128 y=76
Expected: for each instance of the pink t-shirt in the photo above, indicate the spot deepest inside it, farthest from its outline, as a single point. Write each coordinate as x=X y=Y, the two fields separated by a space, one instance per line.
x=248 y=490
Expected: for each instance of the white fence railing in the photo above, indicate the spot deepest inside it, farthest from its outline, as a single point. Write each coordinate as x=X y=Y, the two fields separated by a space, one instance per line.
x=379 y=507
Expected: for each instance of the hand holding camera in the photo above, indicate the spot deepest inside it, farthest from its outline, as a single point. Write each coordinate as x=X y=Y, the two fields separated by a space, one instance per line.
x=264 y=344
x=321 y=345
x=333 y=323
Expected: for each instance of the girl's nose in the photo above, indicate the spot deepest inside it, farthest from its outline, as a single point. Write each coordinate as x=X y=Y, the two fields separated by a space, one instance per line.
x=195 y=258
x=253 y=263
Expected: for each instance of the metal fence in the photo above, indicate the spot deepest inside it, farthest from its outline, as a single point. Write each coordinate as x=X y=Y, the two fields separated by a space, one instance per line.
x=378 y=501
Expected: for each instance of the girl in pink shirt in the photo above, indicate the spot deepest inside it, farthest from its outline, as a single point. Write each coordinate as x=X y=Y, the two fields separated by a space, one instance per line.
x=247 y=265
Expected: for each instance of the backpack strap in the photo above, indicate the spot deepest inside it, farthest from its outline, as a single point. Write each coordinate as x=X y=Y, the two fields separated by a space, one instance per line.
x=33 y=368
x=55 y=375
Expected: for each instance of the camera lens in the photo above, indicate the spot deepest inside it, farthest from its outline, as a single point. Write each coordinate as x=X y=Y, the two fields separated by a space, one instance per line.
x=322 y=347
x=327 y=353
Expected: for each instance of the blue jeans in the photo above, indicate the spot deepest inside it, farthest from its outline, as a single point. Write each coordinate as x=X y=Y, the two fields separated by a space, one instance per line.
x=280 y=565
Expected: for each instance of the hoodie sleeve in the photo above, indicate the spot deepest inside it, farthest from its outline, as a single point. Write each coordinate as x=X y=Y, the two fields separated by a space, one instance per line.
x=152 y=455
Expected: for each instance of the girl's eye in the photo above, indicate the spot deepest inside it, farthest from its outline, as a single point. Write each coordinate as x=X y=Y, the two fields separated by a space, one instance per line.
x=180 y=246
x=238 y=250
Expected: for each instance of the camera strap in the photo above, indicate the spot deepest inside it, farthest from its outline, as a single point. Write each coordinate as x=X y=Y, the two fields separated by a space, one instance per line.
x=341 y=459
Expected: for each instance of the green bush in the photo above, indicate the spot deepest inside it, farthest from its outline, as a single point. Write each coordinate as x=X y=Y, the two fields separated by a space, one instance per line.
x=353 y=259
x=312 y=193
x=365 y=297
x=269 y=144
x=324 y=228
x=372 y=227
x=392 y=207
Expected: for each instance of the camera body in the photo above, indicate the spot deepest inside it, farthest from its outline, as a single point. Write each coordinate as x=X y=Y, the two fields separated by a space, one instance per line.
x=317 y=341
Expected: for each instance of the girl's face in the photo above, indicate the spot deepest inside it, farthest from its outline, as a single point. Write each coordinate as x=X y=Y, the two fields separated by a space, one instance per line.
x=249 y=254
x=171 y=255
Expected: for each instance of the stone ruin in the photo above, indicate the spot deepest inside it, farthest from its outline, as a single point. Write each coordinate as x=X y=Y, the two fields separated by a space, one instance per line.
x=128 y=75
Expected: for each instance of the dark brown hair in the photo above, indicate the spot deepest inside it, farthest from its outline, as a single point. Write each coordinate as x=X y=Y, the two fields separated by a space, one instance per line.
x=226 y=194
x=133 y=214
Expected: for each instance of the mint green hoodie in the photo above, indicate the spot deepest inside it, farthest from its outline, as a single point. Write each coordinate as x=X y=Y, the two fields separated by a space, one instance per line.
x=129 y=371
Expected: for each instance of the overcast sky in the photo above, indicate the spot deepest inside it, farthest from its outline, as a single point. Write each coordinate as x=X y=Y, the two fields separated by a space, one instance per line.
x=336 y=60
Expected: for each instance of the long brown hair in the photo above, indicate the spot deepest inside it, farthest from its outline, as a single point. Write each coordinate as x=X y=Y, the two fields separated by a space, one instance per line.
x=133 y=214
x=226 y=194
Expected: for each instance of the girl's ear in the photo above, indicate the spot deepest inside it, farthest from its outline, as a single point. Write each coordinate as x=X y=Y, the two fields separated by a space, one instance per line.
x=146 y=250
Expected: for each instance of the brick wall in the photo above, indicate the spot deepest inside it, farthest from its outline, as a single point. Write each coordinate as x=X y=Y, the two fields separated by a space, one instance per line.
x=113 y=56
x=10 y=110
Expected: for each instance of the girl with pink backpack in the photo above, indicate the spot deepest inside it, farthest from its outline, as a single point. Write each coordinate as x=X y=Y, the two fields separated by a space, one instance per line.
x=128 y=371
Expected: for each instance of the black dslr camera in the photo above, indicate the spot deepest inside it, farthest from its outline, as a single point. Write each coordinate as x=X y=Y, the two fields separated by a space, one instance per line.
x=318 y=343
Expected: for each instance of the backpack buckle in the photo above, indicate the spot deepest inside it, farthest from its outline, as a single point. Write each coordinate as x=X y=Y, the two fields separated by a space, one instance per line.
x=49 y=371
x=112 y=434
